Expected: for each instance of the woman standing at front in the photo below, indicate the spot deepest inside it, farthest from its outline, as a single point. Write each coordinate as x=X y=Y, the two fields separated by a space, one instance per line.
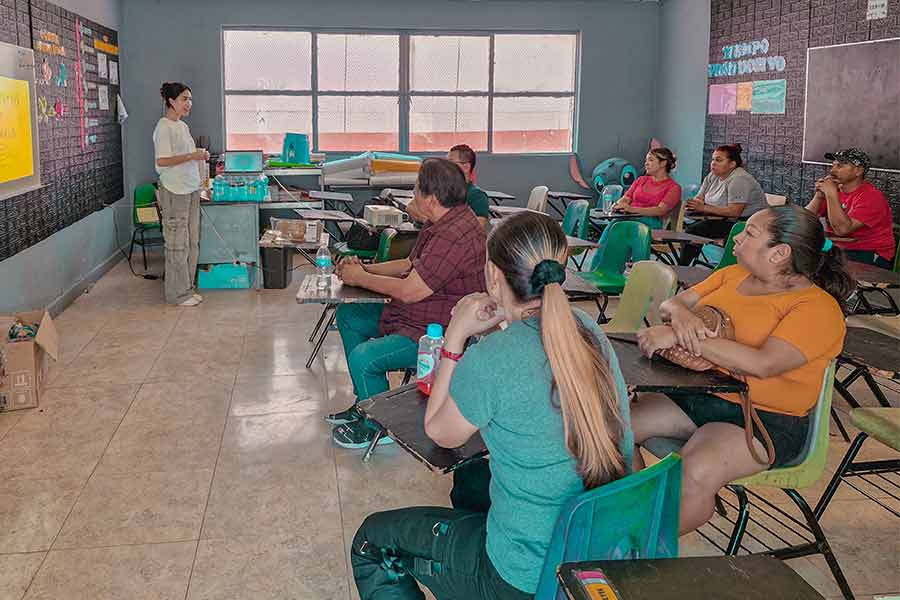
x=180 y=167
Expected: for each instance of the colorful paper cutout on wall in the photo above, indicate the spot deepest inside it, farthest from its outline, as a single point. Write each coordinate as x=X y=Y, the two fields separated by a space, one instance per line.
x=52 y=49
x=62 y=76
x=104 y=46
x=43 y=114
x=769 y=96
x=60 y=109
x=91 y=122
x=744 y=95
x=46 y=73
x=722 y=99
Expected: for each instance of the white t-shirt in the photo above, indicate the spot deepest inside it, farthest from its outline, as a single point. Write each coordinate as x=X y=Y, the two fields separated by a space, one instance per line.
x=738 y=188
x=173 y=138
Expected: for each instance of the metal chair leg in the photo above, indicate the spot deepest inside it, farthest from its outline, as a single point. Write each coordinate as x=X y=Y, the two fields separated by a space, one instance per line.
x=829 y=492
x=372 y=445
x=840 y=425
x=319 y=342
x=144 y=248
x=740 y=523
x=602 y=318
x=407 y=377
x=312 y=336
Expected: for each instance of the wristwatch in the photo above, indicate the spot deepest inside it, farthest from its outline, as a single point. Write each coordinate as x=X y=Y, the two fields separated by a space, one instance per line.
x=451 y=355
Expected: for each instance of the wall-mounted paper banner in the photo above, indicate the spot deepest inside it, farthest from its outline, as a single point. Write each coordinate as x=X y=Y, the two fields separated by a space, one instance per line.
x=104 y=46
x=744 y=95
x=114 y=72
x=102 y=70
x=103 y=97
x=722 y=99
x=768 y=97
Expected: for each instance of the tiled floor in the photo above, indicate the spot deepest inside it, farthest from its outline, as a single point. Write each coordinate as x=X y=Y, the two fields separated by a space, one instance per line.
x=180 y=454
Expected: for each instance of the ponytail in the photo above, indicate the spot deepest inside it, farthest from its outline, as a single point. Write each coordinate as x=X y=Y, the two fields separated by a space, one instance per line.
x=530 y=249
x=831 y=275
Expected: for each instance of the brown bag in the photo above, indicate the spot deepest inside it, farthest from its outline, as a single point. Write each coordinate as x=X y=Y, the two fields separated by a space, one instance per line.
x=719 y=322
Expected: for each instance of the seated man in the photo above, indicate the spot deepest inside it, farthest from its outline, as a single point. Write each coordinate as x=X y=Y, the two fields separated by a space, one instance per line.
x=855 y=208
x=446 y=264
x=464 y=157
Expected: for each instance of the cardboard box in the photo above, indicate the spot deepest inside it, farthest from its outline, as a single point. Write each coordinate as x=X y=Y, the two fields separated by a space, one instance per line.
x=297 y=230
x=24 y=364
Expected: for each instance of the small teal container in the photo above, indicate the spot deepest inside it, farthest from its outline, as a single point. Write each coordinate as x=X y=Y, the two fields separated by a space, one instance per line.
x=225 y=277
x=295 y=148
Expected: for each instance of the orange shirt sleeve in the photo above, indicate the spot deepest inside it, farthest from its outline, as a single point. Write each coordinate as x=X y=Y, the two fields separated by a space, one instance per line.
x=815 y=326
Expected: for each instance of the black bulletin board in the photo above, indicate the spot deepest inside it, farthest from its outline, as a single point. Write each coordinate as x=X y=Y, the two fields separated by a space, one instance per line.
x=81 y=153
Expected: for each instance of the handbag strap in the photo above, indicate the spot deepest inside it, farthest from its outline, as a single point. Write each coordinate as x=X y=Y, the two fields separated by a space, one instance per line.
x=751 y=419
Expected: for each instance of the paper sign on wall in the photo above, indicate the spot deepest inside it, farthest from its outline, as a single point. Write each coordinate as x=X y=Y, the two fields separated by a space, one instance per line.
x=114 y=72
x=103 y=97
x=102 y=71
x=744 y=95
x=876 y=9
x=768 y=97
x=722 y=99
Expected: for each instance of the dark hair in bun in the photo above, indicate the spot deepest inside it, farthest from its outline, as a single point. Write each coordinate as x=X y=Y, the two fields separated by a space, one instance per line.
x=171 y=90
x=733 y=151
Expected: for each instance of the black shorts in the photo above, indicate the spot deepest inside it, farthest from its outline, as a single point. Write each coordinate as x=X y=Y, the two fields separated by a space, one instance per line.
x=788 y=432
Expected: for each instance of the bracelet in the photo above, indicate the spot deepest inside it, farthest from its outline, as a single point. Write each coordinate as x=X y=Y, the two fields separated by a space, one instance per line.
x=451 y=355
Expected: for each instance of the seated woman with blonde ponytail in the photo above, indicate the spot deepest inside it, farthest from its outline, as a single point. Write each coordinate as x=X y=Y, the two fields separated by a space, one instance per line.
x=545 y=392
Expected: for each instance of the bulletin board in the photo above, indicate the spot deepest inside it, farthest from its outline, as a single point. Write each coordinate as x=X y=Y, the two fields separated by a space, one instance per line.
x=20 y=169
x=76 y=83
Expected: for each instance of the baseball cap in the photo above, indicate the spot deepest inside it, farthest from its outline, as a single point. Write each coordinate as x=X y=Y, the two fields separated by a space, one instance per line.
x=852 y=156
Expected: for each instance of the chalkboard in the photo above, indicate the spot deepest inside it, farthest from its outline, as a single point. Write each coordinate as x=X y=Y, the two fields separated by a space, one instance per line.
x=853 y=99
x=76 y=79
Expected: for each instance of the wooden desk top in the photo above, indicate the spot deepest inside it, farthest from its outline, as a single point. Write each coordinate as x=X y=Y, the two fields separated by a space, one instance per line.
x=600 y=214
x=865 y=273
x=569 y=195
x=665 y=235
x=575 y=243
x=691 y=276
x=575 y=285
x=323 y=215
x=506 y=211
x=498 y=195
x=331 y=196
x=872 y=349
x=338 y=293
x=756 y=577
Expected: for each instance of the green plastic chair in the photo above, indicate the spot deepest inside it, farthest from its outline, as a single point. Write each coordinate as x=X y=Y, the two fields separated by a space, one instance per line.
x=381 y=254
x=727 y=258
x=144 y=197
x=806 y=472
x=621 y=242
x=648 y=285
x=635 y=517
x=576 y=223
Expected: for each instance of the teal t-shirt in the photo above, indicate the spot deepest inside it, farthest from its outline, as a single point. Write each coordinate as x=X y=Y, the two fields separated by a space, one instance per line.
x=478 y=201
x=503 y=386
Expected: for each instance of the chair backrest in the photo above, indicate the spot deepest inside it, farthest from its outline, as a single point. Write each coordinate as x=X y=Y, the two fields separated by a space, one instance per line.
x=575 y=222
x=776 y=200
x=675 y=218
x=728 y=258
x=537 y=200
x=144 y=197
x=621 y=242
x=394 y=244
x=648 y=285
x=635 y=517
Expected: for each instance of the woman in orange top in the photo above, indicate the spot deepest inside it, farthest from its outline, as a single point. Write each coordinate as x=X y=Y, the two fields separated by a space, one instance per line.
x=786 y=298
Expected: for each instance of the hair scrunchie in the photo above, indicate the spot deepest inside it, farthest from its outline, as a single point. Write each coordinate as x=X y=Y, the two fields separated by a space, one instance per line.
x=546 y=272
x=827 y=245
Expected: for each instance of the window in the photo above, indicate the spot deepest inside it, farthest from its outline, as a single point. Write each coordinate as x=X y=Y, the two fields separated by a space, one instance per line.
x=400 y=91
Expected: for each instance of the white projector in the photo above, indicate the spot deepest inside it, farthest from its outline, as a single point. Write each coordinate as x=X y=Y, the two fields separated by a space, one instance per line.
x=384 y=216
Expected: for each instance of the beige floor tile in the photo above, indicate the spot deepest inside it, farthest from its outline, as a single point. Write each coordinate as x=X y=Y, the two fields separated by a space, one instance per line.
x=16 y=571
x=277 y=438
x=276 y=353
x=140 y=508
x=196 y=400
x=270 y=499
x=278 y=394
x=8 y=420
x=188 y=357
x=299 y=567
x=142 y=445
x=32 y=512
x=108 y=364
x=154 y=572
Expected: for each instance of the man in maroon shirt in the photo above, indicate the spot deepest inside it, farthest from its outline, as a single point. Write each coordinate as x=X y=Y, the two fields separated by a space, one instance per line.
x=854 y=208
x=446 y=264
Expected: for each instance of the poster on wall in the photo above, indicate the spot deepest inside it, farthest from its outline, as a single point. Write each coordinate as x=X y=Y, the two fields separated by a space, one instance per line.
x=876 y=9
x=722 y=99
x=113 y=72
x=744 y=95
x=768 y=97
x=102 y=71
x=103 y=97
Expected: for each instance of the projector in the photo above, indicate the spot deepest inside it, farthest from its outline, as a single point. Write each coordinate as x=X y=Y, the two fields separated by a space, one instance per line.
x=384 y=216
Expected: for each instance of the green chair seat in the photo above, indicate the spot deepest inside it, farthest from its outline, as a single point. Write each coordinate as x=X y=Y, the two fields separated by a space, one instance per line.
x=343 y=250
x=608 y=283
x=881 y=423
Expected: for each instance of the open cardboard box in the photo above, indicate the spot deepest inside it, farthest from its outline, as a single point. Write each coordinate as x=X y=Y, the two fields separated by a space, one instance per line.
x=24 y=363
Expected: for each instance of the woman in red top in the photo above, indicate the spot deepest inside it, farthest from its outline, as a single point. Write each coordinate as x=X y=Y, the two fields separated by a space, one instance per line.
x=654 y=195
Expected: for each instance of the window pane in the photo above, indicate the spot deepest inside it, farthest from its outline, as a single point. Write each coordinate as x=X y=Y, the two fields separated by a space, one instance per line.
x=533 y=124
x=359 y=123
x=449 y=63
x=268 y=60
x=438 y=122
x=260 y=122
x=534 y=63
x=359 y=63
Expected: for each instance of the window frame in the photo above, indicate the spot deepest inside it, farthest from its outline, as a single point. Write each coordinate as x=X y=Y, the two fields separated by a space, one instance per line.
x=404 y=94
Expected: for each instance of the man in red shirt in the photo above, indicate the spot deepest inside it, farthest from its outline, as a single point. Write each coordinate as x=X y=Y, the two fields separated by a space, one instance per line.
x=855 y=209
x=446 y=264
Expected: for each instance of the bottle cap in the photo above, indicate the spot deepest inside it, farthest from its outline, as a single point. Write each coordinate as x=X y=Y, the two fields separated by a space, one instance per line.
x=435 y=330
x=324 y=239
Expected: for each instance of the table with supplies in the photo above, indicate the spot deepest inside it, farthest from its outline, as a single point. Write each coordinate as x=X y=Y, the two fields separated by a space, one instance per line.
x=331 y=297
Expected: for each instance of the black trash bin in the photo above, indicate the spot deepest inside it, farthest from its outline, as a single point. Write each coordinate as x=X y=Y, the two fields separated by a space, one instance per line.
x=277 y=266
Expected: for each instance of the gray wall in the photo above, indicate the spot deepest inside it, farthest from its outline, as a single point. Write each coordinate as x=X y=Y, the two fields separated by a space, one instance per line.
x=52 y=272
x=681 y=83
x=178 y=40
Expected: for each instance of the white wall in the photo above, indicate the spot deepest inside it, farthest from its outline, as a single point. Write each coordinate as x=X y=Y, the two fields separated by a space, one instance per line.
x=682 y=83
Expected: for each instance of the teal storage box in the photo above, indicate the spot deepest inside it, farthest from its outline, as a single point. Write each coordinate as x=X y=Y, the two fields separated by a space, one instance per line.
x=225 y=277
x=240 y=188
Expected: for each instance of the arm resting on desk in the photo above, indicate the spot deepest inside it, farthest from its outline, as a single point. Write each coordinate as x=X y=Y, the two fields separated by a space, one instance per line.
x=391 y=268
x=773 y=358
x=407 y=290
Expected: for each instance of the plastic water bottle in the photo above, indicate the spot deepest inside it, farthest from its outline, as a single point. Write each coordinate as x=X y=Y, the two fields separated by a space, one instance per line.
x=607 y=200
x=324 y=266
x=430 y=346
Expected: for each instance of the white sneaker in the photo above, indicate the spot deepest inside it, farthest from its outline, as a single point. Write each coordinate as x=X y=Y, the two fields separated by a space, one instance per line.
x=198 y=297
x=190 y=302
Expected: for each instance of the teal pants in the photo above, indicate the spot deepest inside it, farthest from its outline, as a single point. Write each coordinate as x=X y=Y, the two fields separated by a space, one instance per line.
x=369 y=356
x=442 y=548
